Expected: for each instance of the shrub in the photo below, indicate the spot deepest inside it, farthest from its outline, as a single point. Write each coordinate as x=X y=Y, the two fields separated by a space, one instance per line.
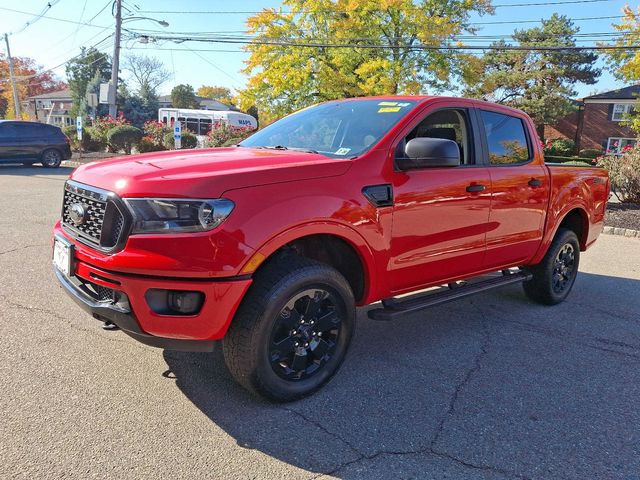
x=561 y=147
x=221 y=134
x=147 y=144
x=624 y=173
x=101 y=126
x=88 y=143
x=577 y=163
x=590 y=153
x=189 y=140
x=156 y=131
x=124 y=137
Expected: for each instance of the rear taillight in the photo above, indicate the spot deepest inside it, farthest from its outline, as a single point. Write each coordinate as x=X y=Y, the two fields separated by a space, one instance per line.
x=66 y=140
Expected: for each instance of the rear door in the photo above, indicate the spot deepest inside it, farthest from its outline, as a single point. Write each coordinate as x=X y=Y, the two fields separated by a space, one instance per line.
x=520 y=188
x=441 y=215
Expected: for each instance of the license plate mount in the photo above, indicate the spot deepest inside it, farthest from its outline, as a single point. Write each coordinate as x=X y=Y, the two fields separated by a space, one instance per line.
x=63 y=256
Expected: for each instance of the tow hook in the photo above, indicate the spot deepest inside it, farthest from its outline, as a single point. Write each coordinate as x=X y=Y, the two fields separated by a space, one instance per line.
x=109 y=325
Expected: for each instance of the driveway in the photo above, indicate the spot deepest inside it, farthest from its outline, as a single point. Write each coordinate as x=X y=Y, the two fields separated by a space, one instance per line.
x=493 y=387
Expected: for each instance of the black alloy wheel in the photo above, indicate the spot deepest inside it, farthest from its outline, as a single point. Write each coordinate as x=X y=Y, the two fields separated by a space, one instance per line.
x=554 y=276
x=563 y=268
x=292 y=330
x=305 y=334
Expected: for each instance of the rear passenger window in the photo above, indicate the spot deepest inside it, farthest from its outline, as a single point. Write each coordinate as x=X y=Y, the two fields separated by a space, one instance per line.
x=506 y=138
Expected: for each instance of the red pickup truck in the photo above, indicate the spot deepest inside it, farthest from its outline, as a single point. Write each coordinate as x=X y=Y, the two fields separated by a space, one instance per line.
x=270 y=245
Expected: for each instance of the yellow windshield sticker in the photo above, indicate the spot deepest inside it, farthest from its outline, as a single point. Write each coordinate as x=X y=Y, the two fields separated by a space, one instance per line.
x=388 y=109
x=388 y=104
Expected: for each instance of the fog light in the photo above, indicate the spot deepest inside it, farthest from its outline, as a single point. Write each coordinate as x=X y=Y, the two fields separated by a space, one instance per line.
x=186 y=303
x=174 y=302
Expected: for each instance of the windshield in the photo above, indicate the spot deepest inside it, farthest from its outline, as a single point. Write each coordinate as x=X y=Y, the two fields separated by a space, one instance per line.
x=346 y=128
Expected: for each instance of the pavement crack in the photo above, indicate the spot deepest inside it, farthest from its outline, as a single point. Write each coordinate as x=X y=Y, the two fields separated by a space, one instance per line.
x=70 y=324
x=24 y=247
x=424 y=451
x=324 y=429
x=589 y=341
x=475 y=367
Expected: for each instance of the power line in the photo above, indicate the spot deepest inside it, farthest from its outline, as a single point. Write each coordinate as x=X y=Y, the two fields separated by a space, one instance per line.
x=97 y=46
x=253 y=12
x=37 y=16
x=53 y=18
x=304 y=43
x=517 y=22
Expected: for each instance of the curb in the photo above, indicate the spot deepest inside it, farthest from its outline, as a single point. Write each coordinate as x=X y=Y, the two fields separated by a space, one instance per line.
x=621 y=232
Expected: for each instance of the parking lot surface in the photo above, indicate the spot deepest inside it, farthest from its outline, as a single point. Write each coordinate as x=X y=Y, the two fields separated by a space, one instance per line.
x=493 y=387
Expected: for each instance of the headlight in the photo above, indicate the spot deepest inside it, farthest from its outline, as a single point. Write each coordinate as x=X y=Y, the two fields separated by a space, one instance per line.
x=160 y=215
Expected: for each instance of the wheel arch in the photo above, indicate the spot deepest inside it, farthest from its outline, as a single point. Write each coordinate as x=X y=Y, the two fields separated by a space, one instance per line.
x=576 y=220
x=333 y=244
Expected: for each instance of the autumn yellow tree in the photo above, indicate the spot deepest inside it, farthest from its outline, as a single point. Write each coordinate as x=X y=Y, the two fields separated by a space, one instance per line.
x=626 y=60
x=315 y=50
x=221 y=94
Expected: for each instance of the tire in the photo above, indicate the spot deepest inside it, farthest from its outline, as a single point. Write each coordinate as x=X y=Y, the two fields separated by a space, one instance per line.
x=260 y=347
x=51 y=158
x=555 y=275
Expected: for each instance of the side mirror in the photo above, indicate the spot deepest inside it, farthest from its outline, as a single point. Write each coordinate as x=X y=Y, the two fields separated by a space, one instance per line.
x=424 y=152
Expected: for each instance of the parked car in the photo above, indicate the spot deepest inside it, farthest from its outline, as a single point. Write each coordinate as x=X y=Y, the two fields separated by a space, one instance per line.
x=270 y=246
x=32 y=142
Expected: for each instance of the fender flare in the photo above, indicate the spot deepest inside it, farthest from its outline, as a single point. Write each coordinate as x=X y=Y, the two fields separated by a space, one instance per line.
x=321 y=227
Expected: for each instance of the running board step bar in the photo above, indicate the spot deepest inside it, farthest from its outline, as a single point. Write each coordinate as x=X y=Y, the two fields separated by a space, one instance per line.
x=394 y=308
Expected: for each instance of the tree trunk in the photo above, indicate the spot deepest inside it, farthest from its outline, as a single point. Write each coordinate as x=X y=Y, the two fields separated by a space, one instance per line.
x=540 y=130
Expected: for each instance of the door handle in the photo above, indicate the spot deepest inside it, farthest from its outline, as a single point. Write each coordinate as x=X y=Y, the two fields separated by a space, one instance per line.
x=534 y=182
x=475 y=187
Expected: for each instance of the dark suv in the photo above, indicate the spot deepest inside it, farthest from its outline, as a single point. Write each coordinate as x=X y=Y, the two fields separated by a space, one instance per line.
x=31 y=142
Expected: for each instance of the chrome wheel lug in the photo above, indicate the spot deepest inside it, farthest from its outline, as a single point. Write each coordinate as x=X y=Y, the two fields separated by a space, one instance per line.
x=306 y=345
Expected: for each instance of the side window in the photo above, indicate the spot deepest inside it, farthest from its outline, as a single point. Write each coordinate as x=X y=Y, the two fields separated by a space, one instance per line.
x=506 y=138
x=450 y=124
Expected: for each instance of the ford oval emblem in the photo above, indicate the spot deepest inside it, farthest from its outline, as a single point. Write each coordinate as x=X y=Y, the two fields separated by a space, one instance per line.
x=77 y=213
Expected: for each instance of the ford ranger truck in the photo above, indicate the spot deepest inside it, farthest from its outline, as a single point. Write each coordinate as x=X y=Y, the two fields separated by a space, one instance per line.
x=269 y=246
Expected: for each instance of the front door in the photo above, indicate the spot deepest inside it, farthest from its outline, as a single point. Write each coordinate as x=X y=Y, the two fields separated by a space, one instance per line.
x=441 y=215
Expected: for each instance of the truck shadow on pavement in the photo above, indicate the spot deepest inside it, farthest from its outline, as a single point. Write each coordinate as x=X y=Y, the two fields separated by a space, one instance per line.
x=491 y=387
x=35 y=171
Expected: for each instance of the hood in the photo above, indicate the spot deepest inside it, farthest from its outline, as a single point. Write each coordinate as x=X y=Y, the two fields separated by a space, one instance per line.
x=206 y=173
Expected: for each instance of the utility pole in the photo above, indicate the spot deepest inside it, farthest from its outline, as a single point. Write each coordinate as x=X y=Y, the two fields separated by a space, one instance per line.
x=16 y=100
x=115 y=64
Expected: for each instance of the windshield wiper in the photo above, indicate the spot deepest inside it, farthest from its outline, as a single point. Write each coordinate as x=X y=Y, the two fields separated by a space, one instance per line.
x=295 y=149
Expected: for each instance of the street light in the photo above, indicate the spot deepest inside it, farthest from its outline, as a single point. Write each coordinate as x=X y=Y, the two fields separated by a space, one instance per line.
x=162 y=23
x=115 y=65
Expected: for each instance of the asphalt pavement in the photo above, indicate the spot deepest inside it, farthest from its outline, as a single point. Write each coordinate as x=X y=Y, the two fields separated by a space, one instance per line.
x=492 y=387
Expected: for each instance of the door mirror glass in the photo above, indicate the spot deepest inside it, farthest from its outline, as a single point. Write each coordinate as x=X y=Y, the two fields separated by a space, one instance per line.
x=425 y=152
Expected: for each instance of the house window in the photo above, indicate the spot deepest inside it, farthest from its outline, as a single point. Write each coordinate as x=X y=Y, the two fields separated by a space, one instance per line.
x=620 y=110
x=616 y=146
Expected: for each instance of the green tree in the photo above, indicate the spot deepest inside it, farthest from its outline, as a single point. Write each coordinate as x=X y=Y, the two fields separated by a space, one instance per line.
x=138 y=108
x=183 y=96
x=286 y=77
x=540 y=82
x=221 y=94
x=625 y=62
x=81 y=70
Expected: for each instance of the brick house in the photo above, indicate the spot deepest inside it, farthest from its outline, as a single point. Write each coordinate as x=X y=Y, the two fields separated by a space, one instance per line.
x=597 y=122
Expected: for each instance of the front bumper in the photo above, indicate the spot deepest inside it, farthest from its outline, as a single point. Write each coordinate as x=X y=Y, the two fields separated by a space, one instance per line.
x=135 y=317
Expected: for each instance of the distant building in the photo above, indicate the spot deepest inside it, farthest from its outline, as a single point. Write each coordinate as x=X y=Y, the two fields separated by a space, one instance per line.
x=597 y=122
x=53 y=108
x=164 y=101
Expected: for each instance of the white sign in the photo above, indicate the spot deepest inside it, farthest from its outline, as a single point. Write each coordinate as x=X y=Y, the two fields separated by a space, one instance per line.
x=107 y=93
x=177 y=135
x=79 y=127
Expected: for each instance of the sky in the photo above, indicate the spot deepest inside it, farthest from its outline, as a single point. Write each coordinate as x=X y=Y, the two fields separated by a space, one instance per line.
x=52 y=41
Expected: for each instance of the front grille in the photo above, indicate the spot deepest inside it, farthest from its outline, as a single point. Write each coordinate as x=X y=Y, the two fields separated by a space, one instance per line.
x=93 y=216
